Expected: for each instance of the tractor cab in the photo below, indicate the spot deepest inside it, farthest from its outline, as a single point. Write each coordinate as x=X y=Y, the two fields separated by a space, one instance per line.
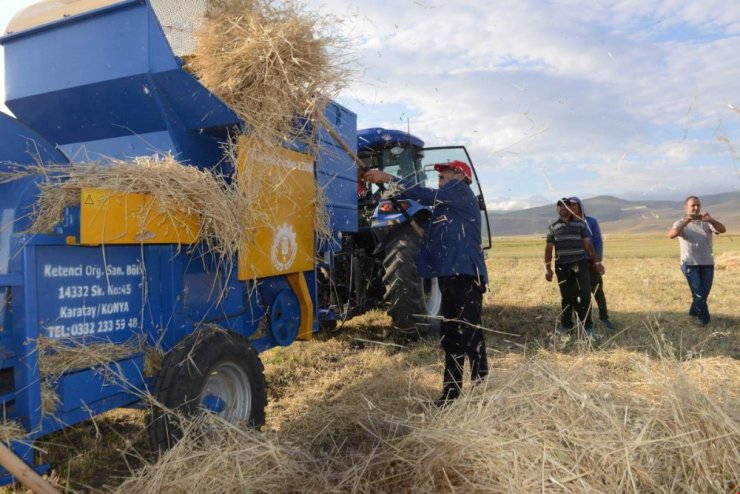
x=393 y=151
x=403 y=155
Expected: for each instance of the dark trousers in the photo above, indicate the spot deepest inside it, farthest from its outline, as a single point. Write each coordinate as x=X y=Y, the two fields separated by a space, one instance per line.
x=462 y=301
x=574 y=281
x=597 y=288
x=700 y=280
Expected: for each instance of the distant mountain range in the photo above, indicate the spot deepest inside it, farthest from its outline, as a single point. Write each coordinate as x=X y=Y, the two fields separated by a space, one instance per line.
x=618 y=215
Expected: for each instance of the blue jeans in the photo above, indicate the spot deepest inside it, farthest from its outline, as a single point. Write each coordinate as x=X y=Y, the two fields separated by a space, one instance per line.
x=700 y=280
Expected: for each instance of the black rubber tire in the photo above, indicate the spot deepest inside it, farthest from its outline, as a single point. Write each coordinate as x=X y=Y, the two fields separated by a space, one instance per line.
x=185 y=370
x=404 y=293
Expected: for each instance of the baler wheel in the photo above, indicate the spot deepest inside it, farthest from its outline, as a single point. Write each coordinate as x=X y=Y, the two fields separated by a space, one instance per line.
x=210 y=371
x=414 y=304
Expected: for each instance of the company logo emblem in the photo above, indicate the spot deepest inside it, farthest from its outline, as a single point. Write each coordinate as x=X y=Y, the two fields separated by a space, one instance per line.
x=284 y=247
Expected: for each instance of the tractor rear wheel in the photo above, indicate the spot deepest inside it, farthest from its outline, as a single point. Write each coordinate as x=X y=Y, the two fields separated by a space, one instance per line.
x=414 y=304
x=210 y=371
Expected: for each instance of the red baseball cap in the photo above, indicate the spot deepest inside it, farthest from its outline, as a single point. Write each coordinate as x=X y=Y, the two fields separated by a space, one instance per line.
x=458 y=166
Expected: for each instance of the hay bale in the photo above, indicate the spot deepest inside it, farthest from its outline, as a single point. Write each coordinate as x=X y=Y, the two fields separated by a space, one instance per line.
x=269 y=63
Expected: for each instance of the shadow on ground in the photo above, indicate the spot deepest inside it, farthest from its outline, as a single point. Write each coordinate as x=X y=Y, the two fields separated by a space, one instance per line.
x=521 y=329
x=512 y=328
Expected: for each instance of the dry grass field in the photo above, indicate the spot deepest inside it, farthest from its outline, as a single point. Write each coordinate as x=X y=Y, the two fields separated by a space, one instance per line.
x=654 y=407
x=645 y=290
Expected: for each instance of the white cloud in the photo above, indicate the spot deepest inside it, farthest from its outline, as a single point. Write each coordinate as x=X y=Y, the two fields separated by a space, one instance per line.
x=584 y=97
x=538 y=88
x=511 y=204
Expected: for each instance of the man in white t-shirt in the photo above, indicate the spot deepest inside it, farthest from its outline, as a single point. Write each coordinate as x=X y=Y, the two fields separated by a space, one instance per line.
x=694 y=234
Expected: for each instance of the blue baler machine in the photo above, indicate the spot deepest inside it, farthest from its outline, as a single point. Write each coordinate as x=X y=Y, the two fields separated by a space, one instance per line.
x=95 y=80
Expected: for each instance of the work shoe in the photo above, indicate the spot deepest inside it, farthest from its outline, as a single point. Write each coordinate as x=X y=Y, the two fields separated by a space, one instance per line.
x=479 y=380
x=562 y=329
x=590 y=336
x=609 y=325
x=444 y=400
x=448 y=396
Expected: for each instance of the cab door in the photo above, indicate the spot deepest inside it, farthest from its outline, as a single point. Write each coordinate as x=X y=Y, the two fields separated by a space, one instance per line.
x=434 y=155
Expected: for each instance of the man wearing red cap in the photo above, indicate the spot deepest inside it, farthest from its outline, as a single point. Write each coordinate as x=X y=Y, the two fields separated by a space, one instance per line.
x=451 y=251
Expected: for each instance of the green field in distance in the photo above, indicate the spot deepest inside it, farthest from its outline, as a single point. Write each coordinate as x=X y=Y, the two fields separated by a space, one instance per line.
x=615 y=246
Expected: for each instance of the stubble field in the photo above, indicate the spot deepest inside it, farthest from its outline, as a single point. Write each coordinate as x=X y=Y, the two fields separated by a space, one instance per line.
x=651 y=407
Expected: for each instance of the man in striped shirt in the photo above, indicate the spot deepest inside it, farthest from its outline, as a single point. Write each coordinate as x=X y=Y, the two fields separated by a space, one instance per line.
x=569 y=238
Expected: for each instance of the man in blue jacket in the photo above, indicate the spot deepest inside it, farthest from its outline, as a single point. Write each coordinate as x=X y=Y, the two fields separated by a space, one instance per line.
x=597 y=281
x=451 y=251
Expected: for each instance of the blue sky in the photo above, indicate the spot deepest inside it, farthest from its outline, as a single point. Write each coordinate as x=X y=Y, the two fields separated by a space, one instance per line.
x=634 y=98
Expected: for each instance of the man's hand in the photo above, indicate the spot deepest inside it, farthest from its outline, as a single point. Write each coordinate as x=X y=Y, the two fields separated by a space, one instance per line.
x=599 y=267
x=549 y=246
x=376 y=176
x=718 y=227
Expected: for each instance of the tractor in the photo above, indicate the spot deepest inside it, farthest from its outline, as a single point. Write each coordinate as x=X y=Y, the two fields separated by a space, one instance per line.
x=376 y=268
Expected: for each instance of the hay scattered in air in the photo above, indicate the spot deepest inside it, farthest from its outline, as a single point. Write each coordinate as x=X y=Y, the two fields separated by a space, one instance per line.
x=270 y=63
x=276 y=66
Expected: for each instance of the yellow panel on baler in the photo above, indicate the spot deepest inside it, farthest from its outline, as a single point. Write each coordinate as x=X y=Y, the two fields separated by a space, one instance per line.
x=285 y=199
x=108 y=217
